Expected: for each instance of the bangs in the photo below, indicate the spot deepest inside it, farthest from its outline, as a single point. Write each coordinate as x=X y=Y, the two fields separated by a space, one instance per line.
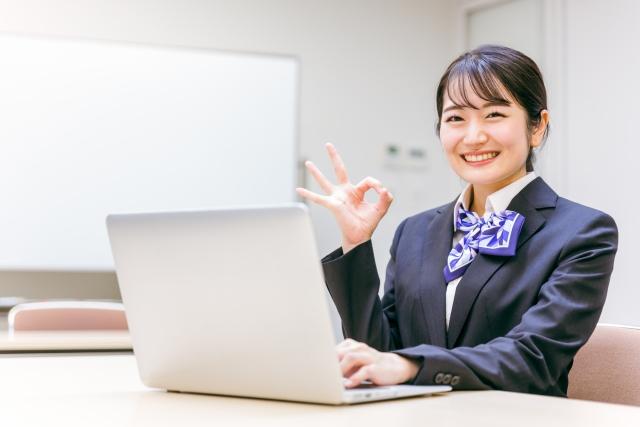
x=474 y=74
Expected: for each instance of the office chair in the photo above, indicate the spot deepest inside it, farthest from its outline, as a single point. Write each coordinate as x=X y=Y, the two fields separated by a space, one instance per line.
x=607 y=368
x=67 y=316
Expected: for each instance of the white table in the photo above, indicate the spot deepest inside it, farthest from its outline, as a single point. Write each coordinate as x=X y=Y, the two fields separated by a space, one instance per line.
x=97 y=390
x=46 y=341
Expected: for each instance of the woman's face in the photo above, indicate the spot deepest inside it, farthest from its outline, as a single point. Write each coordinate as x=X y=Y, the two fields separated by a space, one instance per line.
x=488 y=145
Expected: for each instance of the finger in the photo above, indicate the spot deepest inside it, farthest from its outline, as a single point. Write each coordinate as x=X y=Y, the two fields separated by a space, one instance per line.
x=346 y=343
x=314 y=197
x=349 y=345
x=362 y=374
x=369 y=182
x=384 y=201
x=353 y=361
x=338 y=164
x=322 y=181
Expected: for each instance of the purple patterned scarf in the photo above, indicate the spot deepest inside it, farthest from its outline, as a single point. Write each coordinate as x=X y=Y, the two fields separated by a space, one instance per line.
x=495 y=235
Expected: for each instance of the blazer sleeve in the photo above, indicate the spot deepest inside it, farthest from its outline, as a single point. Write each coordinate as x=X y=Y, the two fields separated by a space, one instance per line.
x=353 y=283
x=532 y=356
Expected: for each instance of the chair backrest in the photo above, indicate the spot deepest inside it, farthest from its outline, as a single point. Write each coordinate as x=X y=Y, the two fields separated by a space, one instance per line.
x=607 y=368
x=67 y=316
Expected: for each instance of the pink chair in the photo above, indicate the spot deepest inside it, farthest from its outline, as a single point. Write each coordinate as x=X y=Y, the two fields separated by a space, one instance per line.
x=67 y=316
x=607 y=368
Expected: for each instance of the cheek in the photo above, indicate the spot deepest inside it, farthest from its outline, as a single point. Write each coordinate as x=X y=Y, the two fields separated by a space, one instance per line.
x=449 y=138
x=512 y=137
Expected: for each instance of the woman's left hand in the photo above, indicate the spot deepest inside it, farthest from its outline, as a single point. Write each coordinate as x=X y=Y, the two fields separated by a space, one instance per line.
x=359 y=362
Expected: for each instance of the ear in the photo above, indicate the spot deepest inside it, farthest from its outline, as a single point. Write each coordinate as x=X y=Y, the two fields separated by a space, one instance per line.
x=538 y=132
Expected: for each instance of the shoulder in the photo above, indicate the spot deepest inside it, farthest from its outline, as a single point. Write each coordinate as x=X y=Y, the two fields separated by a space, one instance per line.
x=426 y=216
x=563 y=215
x=422 y=219
x=578 y=230
x=417 y=225
x=575 y=215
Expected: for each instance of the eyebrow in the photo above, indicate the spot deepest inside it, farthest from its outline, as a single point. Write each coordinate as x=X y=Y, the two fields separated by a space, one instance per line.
x=488 y=104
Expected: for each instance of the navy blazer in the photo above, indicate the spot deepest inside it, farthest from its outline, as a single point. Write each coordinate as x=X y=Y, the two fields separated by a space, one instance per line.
x=516 y=322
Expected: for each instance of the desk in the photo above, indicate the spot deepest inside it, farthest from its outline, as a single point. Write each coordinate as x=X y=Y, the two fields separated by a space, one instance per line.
x=97 y=390
x=47 y=341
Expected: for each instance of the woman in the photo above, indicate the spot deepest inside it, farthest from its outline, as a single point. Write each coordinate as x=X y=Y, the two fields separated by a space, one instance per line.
x=497 y=289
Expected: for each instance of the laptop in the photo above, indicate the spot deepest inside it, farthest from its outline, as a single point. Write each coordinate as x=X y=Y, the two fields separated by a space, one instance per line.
x=232 y=302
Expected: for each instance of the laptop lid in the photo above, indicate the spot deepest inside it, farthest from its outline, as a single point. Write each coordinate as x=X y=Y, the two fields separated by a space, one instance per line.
x=228 y=302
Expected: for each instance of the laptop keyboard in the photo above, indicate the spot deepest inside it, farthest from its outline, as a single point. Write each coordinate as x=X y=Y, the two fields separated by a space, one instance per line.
x=365 y=386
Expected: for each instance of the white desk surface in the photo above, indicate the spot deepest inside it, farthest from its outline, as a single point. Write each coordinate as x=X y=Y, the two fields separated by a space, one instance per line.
x=97 y=390
x=64 y=341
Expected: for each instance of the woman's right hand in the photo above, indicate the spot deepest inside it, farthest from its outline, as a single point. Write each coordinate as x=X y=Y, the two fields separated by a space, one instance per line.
x=356 y=217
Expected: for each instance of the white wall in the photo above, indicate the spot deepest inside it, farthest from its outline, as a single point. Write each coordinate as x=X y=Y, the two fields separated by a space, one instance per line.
x=603 y=92
x=369 y=73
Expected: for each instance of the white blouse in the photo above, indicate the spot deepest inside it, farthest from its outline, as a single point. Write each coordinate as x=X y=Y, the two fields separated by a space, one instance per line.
x=496 y=202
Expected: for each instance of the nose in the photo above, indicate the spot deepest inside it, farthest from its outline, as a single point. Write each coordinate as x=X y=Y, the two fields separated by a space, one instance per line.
x=475 y=134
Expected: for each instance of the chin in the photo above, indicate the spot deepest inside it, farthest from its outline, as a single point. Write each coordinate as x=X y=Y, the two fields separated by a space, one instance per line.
x=485 y=179
x=481 y=181
x=478 y=177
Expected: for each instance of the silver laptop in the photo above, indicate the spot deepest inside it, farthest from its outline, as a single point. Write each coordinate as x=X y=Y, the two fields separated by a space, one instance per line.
x=232 y=302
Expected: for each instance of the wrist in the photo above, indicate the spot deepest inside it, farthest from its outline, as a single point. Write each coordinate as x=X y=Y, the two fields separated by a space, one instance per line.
x=347 y=245
x=410 y=368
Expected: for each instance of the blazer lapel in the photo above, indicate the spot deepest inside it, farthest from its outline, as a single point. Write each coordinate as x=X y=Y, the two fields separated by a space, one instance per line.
x=536 y=195
x=437 y=246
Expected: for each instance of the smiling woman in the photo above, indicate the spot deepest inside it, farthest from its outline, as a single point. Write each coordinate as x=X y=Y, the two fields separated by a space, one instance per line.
x=498 y=288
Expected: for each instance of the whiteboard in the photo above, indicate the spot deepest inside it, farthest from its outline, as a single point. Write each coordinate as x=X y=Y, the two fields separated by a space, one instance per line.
x=89 y=128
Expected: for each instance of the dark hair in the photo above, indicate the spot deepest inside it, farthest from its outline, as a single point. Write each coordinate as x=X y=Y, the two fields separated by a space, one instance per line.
x=487 y=67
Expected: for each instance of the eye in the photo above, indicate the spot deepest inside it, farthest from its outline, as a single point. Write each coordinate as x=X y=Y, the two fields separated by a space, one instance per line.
x=495 y=114
x=453 y=118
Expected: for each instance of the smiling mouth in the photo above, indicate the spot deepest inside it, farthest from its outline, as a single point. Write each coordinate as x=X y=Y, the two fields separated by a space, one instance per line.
x=477 y=158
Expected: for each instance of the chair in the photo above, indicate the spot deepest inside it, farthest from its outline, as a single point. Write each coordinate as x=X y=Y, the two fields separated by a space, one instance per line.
x=607 y=368
x=67 y=316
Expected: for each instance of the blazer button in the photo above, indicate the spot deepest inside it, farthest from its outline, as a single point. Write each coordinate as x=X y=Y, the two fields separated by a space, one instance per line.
x=438 y=378
x=446 y=379
x=455 y=380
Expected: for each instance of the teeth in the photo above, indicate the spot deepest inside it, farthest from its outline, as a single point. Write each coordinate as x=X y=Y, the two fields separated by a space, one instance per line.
x=481 y=157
